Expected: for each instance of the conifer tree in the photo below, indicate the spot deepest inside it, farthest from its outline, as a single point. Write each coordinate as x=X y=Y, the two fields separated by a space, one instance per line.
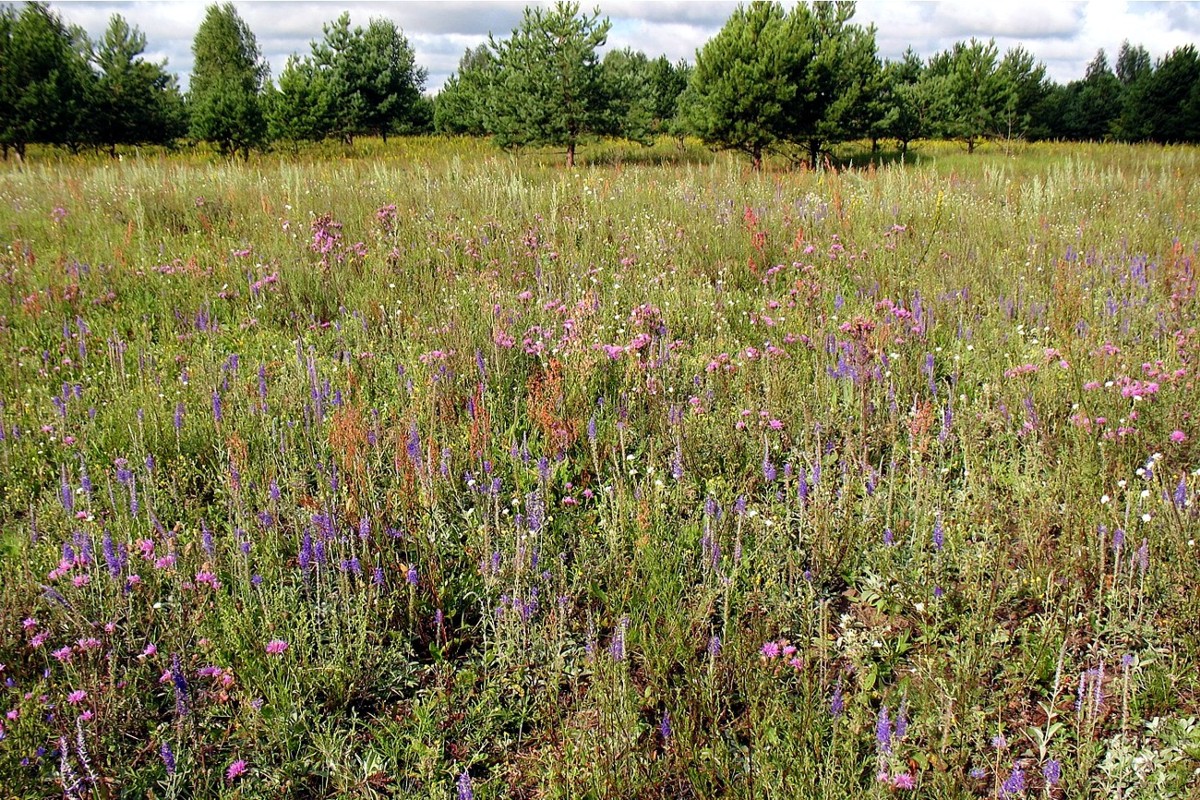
x=227 y=83
x=549 y=88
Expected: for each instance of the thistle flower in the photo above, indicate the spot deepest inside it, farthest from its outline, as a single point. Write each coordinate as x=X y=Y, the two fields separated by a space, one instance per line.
x=236 y=770
x=276 y=647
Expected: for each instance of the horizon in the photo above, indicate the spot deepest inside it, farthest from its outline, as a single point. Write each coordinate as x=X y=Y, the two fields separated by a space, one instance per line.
x=1063 y=36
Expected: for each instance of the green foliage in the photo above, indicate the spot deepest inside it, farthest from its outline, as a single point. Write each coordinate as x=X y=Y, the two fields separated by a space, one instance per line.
x=904 y=104
x=1090 y=107
x=137 y=102
x=969 y=92
x=838 y=91
x=227 y=81
x=45 y=82
x=771 y=77
x=299 y=107
x=1170 y=100
x=461 y=107
x=568 y=401
x=372 y=77
x=549 y=87
x=1024 y=89
x=627 y=85
x=744 y=79
x=667 y=84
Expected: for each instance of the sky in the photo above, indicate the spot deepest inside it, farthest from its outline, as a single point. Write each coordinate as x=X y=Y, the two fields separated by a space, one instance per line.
x=1063 y=35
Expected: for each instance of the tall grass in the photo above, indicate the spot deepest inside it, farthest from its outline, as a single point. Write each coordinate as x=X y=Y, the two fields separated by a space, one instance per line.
x=421 y=469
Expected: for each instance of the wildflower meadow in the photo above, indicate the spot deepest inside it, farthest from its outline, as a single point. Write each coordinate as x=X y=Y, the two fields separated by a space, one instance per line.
x=420 y=469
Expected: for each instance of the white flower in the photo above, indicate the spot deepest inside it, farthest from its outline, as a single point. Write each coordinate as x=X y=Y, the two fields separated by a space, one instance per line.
x=1104 y=499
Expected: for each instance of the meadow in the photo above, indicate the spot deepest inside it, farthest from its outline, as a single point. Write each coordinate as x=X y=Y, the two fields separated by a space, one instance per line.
x=432 y=471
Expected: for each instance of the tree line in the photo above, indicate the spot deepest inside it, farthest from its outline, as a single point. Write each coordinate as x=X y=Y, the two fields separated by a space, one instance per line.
x=793 y=82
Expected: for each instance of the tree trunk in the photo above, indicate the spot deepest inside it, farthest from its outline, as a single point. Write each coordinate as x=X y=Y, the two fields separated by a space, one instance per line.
x=970 y=145
x=756 y=157
x=570 y=154
x=814 y=152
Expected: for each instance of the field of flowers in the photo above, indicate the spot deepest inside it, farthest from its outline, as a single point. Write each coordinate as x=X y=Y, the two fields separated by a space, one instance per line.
x=447 y=473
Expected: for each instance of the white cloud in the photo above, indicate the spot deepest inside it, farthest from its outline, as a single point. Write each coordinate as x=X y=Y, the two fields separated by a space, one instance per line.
x=1064 y=35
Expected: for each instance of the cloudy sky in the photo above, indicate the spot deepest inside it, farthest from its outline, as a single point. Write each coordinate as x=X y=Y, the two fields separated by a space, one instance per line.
x=1064 y=35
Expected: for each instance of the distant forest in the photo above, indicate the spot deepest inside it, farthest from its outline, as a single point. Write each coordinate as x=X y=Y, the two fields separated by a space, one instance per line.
x=792 y=81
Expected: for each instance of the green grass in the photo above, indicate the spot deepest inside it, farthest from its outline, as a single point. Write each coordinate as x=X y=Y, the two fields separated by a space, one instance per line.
x=520 y=462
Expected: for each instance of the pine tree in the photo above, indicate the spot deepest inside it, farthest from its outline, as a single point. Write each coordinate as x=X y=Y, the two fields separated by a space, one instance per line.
x=461 y=105
x=1170 y=101
x=549 y=88
x=137 y=101
x=768 y=77
x=904 y=101
x=300 y=106
x=227 y=82
x=966 y=91
x=46 y=84
x=372 y=75
x=745 y=80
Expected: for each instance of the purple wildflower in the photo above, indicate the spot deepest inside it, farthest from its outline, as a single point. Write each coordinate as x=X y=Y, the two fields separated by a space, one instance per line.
x=168 y=757
x=1052 y=772
x=883 y=731
x=1014 y=784
x=837 y=703
x=464 y=787
x=179 y=681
